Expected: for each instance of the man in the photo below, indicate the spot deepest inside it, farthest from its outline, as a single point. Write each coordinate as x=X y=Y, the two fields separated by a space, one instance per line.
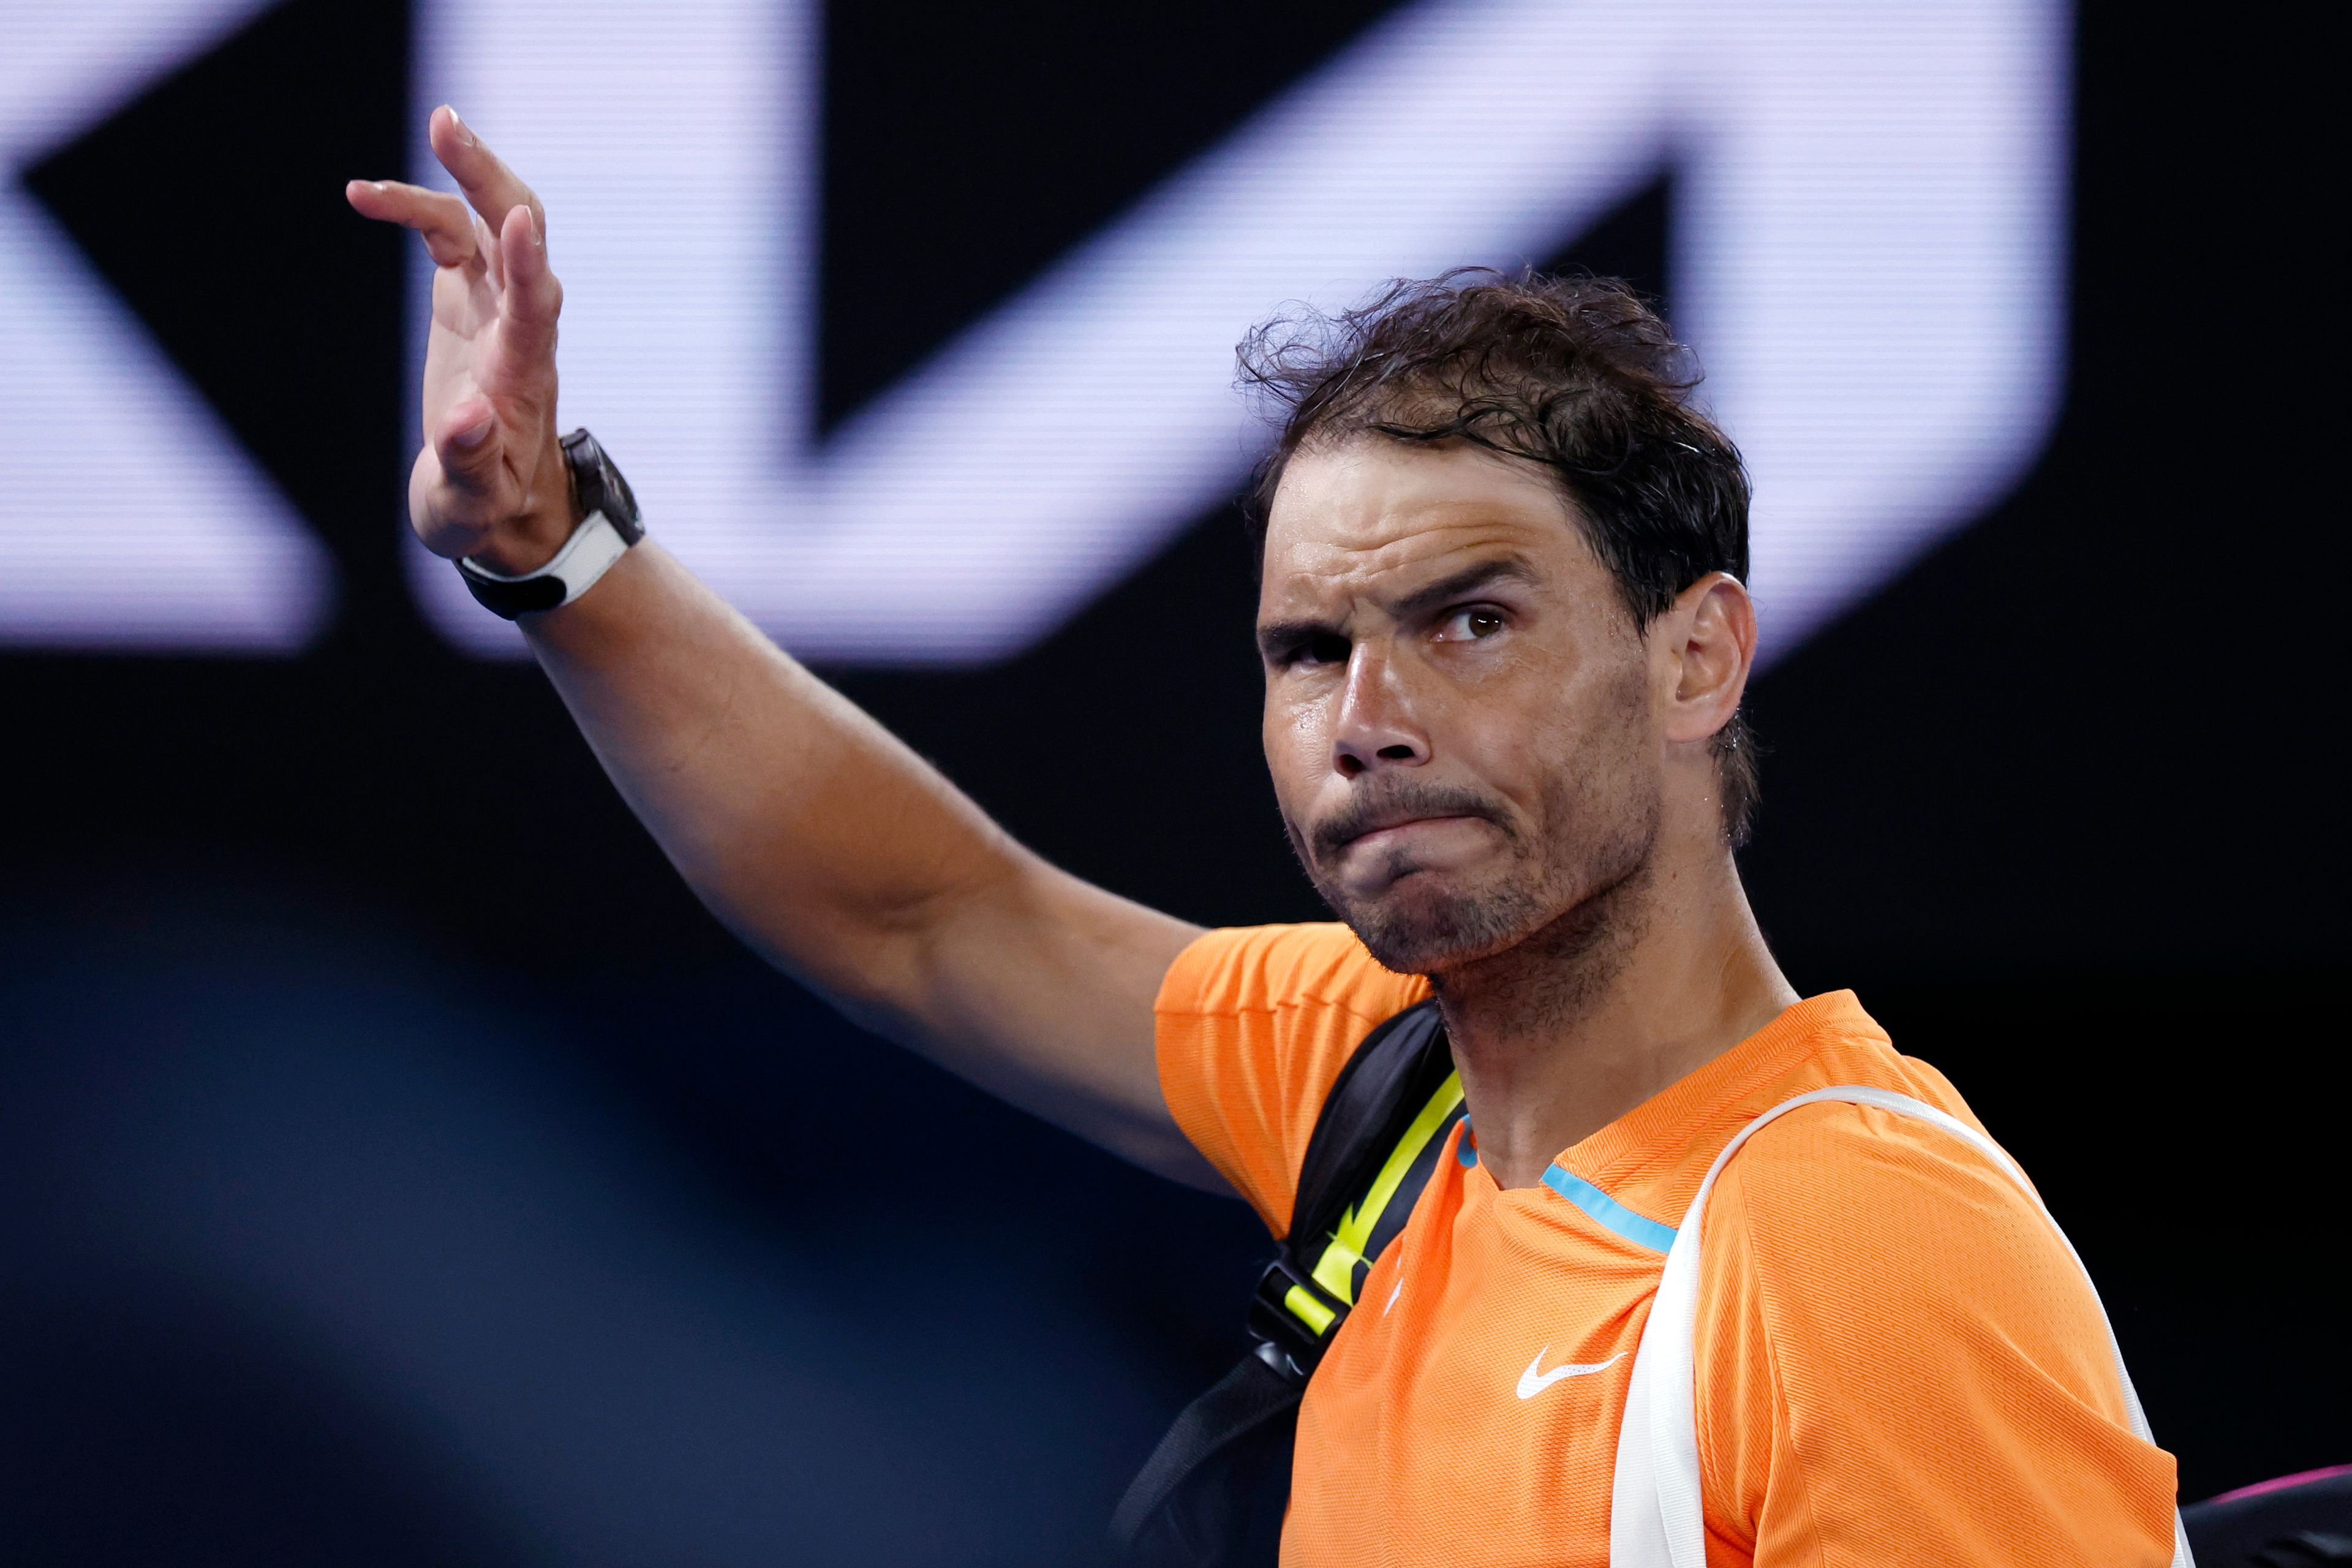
x=1505 y=641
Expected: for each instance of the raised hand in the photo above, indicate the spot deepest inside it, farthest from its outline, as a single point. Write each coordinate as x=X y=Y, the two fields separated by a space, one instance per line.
x=490 y=482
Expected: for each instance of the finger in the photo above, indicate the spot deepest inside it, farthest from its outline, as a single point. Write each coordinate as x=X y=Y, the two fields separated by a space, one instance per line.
x=440 y=219
x=534 y=297
x=489 y=184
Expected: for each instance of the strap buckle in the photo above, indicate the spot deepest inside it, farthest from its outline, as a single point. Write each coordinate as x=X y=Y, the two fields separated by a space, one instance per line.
x=1292 y=1319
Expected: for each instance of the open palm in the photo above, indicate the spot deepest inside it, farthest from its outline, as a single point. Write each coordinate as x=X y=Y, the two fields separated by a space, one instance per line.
x=490 y=482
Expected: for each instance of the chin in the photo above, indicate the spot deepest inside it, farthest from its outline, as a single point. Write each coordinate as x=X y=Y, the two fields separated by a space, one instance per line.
x=1416 y=930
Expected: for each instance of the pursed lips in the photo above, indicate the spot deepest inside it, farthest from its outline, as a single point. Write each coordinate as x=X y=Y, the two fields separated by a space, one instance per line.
x=1372 y=834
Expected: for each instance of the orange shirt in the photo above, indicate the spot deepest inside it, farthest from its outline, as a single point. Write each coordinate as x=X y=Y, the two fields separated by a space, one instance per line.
x=1898 y=1360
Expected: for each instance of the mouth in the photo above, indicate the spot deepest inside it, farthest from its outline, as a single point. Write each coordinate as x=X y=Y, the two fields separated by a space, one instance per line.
x=1419 y=823
x=1393 y=830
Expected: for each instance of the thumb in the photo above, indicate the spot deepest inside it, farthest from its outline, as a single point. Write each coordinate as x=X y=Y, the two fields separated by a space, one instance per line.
x=467 y=443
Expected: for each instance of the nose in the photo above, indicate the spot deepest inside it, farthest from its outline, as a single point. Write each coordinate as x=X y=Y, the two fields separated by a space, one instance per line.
x=1376 y=727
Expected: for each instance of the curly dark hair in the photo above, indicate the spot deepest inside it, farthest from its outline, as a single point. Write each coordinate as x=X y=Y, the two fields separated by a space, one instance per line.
x=1575 y=375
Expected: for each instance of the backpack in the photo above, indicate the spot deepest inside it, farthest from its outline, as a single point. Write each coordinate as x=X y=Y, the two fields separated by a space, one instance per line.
x=2295 y=1522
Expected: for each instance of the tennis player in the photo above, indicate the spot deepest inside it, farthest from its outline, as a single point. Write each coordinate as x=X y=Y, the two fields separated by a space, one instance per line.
x=1504 y=640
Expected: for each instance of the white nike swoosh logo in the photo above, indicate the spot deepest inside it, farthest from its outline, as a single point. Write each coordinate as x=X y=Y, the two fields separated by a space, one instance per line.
x=1530 y=1385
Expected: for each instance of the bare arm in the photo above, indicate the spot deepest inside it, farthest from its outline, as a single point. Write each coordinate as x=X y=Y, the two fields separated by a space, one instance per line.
x=822 y=841
x=836 y=851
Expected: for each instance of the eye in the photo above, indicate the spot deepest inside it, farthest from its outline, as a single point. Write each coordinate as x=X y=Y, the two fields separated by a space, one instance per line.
x=1470 y=624
x=1325 y=648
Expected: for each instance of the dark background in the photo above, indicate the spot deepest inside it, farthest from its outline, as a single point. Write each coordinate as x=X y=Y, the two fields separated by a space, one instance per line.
x=387 y=1136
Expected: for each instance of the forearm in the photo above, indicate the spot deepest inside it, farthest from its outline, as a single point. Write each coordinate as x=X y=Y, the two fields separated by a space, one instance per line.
x=850 y=862
x=807 y=828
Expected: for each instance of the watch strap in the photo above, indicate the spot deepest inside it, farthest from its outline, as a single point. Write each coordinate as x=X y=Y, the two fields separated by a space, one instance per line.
x=586 y=556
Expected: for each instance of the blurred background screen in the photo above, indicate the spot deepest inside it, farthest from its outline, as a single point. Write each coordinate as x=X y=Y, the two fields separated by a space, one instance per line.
x=396 y=1166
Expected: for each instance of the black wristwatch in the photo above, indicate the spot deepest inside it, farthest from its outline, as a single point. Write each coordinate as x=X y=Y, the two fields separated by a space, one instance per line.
x=609 y=526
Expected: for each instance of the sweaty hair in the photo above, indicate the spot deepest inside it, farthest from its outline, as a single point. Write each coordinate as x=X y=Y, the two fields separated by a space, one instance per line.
x=1574 y=374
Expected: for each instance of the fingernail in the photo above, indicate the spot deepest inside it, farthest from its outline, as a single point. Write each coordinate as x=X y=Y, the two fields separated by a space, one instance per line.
x=473 y=434
x=465 y=133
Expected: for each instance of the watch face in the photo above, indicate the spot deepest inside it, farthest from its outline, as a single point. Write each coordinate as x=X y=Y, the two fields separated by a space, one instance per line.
x=620 y=502
x=601 y=486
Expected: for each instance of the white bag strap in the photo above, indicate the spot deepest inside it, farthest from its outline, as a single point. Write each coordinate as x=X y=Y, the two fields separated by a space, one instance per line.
x=1656 y=1517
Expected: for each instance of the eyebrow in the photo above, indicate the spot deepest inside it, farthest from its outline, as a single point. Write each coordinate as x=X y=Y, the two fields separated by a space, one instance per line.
x=1276 y=635
x=1503 y=569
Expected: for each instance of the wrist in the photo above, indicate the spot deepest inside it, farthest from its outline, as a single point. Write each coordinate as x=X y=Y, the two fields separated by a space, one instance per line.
x=530 y=540
x=519 y=552
x=531 y=567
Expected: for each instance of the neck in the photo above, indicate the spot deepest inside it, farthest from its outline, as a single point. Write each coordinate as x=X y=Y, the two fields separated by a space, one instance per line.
x=1633 y=989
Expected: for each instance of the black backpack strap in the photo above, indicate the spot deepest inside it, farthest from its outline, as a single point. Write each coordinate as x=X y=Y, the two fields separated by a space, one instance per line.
x=1212 y=1493
x=1212 y=1496
x=2296 y=1521
x=1375 y=1143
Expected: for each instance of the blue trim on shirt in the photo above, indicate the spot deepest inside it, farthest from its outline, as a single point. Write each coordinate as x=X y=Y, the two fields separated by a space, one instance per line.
x=1639 y=1229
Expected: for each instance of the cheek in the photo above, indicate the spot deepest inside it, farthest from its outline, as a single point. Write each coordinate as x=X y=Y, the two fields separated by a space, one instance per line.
x=1539 y=738
x=1509 y=750
x=1502 y=725
x=1296 y=736
x=1601 y=734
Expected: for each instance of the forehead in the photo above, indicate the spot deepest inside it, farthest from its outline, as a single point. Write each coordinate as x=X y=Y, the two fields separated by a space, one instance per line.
x=1373 y=513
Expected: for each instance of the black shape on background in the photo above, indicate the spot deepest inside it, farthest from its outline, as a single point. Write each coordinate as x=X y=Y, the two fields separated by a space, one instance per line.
x=964 y=153
x=213 y=203
x=1633 y=241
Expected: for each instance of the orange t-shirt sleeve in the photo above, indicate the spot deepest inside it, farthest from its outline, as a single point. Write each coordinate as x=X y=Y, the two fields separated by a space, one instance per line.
x=1254 y=1024
x=1907 y=1366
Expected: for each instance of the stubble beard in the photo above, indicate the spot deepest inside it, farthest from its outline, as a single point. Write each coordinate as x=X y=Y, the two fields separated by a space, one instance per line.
x=1551 y=927
x=1574 y=949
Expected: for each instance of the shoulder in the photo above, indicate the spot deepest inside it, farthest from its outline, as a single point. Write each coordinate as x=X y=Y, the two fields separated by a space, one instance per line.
x=1253 y=1025
x=1840 y=1213
x=1861 y=1247
x=1276 y=968
x=1891 y=1329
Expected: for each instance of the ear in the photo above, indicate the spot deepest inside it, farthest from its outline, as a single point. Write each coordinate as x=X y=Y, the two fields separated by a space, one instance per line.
x=1706 y=643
